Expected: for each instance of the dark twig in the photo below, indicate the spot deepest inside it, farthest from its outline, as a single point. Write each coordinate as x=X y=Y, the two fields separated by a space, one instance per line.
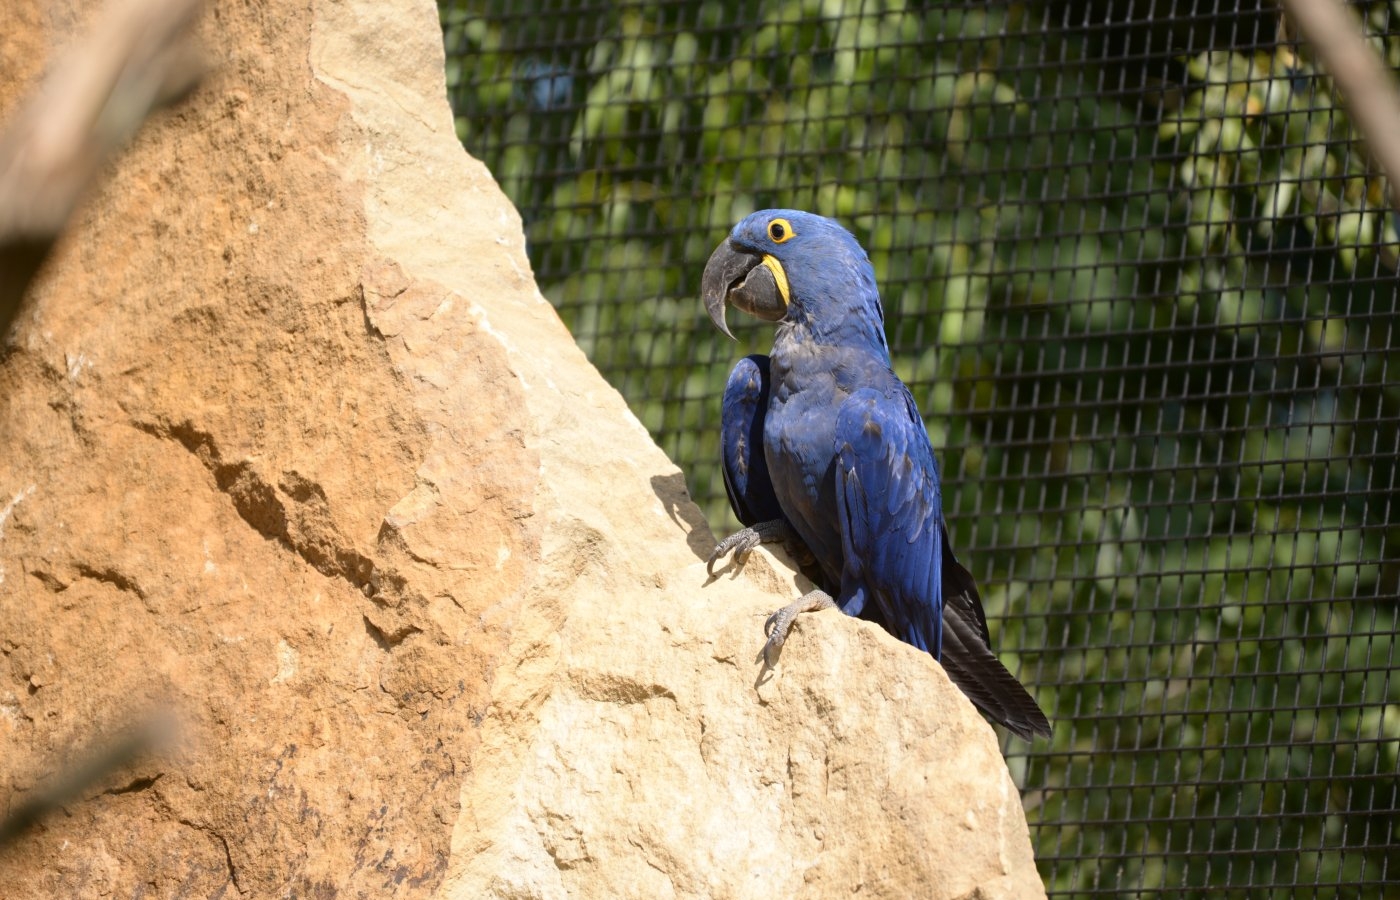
x=96 y=96
x=68 y=786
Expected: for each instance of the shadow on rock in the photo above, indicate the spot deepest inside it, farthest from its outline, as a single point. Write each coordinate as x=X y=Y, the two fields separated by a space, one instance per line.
x=675 y=497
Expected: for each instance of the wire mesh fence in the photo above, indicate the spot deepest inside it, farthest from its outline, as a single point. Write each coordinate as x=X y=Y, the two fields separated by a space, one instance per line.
x=1142 y=281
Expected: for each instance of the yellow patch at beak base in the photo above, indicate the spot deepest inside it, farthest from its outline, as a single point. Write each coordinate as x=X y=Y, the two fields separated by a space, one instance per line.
x=779 y=276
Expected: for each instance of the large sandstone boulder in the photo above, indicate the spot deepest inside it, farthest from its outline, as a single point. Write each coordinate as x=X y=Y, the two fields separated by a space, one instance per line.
x=292 y=446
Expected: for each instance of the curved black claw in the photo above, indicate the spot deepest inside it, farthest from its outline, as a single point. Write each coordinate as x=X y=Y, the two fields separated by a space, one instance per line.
x=742 y=543
x=777 y=625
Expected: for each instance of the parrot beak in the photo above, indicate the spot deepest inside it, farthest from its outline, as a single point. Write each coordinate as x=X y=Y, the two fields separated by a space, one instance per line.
x=745 y=279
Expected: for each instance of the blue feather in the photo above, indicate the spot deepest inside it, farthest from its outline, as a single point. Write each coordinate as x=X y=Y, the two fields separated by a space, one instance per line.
x=845 y=458
x=745 y=468
x=892 y=547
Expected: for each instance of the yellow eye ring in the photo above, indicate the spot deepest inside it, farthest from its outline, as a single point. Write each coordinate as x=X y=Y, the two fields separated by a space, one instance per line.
x=780 y=231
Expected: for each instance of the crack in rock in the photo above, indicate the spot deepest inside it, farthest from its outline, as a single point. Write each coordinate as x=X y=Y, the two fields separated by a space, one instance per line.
x=293 y=512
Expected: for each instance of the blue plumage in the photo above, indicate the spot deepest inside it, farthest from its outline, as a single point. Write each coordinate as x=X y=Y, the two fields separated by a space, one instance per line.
x=746 y=479
x=888 y=512
x=848 y=461
x=829 y=348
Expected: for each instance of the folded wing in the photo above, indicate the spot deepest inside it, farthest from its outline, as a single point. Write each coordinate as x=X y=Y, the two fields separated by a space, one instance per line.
x=890 y=515
x=746 y=478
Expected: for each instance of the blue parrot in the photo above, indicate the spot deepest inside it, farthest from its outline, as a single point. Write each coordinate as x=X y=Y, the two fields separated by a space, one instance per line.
x=823 y=447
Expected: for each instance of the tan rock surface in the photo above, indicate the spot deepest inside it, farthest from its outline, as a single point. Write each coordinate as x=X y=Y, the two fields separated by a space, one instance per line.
x=293 y=446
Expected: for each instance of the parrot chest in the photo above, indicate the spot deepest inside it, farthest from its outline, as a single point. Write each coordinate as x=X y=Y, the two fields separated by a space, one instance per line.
x=810 y=383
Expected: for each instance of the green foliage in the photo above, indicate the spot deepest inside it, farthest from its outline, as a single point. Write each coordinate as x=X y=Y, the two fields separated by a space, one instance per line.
x=1264 y=142
x=1152 y=340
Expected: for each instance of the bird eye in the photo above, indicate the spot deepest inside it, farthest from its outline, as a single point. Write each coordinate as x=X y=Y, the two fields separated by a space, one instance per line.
x=780 y=230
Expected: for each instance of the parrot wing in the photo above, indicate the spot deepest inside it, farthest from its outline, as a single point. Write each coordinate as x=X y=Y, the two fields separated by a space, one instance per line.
x=898 y=555
x=746 y=478
x=890 y=516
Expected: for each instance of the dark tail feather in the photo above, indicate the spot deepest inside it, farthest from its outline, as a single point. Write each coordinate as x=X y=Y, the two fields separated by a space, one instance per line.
x=970 y=663
x=980 y=675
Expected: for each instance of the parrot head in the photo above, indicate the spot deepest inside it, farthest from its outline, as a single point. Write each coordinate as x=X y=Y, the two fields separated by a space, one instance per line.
x=788 y=265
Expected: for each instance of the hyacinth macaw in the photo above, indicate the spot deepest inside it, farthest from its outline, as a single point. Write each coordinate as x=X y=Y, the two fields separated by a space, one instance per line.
x=824 y=447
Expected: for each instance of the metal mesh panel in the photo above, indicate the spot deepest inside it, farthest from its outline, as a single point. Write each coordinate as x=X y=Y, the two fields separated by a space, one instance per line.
x=1142 y=283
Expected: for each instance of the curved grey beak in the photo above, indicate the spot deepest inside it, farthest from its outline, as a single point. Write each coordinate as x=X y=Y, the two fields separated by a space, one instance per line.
x=734 y=275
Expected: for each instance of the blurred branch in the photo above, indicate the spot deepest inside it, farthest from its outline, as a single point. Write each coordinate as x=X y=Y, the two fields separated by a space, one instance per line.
x=133 y=61
x=1367 y=87
x=152 y=735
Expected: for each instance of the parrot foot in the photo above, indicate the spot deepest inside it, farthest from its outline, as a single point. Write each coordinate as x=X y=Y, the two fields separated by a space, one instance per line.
x=778 y=624
x=742 y=543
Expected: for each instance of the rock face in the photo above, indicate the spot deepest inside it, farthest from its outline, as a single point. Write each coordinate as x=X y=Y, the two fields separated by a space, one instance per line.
x=293 y=447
